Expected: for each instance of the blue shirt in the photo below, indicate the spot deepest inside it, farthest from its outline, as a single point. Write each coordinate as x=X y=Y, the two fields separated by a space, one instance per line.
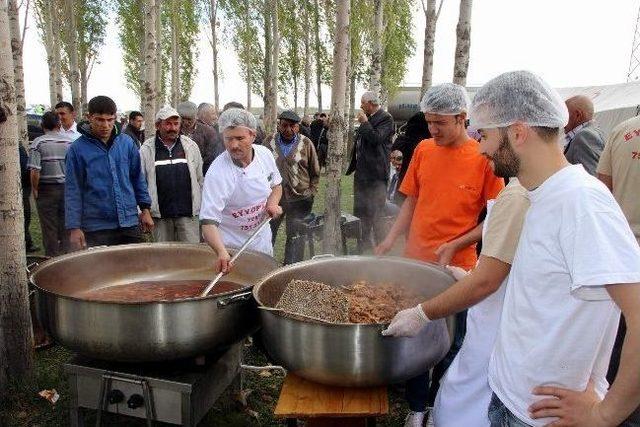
x=285 y=146
x=104 y=186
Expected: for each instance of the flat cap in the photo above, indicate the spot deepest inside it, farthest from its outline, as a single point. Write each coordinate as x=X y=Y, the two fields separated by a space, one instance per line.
x=165 y=112
x=289 y=115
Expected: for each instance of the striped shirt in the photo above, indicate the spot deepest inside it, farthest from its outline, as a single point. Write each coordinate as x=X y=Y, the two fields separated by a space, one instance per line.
x=47 y=155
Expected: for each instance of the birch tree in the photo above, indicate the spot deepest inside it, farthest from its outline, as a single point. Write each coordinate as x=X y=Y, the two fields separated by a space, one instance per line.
x=306 y=22
x=376 y=57
x=431 y=19
x=213 y=22
x=45 y=16
x=150 y=57
x=463 y=43
x=16 y=339
x=331 y=242
x=175 y=53
x=17 y=42
x=318 y=51
x=71 y=35
x=91 y=24
x=272 y=50
x=159 y=77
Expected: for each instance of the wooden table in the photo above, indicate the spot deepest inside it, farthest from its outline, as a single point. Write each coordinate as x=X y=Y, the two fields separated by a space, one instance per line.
x=322 y=405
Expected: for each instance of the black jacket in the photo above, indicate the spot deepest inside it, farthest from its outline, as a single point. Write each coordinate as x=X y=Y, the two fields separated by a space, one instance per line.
x=370 y=155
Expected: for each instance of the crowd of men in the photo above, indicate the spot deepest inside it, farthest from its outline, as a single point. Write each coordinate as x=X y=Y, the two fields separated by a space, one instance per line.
x=540 y=302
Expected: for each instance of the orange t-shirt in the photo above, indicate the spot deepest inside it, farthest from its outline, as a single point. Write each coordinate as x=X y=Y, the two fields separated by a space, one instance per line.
x=452 y=185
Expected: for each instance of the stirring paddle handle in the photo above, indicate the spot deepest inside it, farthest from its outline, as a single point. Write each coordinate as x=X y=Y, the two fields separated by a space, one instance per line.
x=242 y=248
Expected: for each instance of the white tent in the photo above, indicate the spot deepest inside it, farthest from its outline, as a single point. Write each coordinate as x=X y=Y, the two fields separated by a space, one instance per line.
x=613 y=104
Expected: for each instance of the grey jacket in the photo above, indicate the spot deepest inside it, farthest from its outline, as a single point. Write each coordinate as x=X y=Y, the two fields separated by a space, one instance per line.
x=194 y=161
x=585 y=148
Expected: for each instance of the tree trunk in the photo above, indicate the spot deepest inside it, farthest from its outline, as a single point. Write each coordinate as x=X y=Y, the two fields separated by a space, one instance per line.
x=352 y=114
x=307 y=59
x=158 y=67
x=175 y=55
x=268 y=46
x=376 y=57
x=16 y=50
x=74 y=77
x=463 y=43
x=317 y=48
x=16 y=340
x=214 y=45
x=246 y=48
x=84 y=79
x=150 y=56
x=45 y=16
x=429 y=45
x=57 y=60
x=273 y=117
x=331 y=241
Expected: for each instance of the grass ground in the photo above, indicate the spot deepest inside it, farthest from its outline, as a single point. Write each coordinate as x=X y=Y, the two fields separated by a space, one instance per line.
x=23 y=407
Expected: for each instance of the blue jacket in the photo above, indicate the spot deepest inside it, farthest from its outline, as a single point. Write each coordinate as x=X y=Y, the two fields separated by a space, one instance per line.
x=104 y=186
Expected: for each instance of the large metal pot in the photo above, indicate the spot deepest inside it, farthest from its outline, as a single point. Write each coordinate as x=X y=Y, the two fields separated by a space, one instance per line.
x=350 y=354
x=151 y=331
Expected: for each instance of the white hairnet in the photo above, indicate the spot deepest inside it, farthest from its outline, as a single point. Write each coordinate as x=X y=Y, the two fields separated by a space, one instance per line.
x=234 y=117
x=447 y=99
x=518 y=96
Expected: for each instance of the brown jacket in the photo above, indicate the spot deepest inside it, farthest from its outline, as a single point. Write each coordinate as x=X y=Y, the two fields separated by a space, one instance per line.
x=300 y=169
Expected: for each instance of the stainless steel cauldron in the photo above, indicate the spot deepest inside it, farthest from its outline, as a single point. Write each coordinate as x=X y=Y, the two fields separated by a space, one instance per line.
x=152 y=331
x=349 y=354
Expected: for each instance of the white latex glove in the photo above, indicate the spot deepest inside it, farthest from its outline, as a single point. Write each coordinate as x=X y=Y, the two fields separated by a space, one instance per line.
x=458 y=273
x=407 y=323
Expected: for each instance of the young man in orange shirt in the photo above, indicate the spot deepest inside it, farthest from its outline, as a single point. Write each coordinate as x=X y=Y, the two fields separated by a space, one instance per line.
x=447 y=185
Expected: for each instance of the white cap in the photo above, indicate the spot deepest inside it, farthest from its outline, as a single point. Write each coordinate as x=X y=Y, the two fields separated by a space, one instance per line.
x=447 y=99
x=166 y=112
x=518 y=96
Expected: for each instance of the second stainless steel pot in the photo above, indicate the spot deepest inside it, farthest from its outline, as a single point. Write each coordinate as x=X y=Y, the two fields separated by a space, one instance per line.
x=350 y=354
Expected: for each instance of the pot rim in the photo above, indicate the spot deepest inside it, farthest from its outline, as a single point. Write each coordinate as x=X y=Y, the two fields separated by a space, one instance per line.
x=329 y=258
x=117 y=248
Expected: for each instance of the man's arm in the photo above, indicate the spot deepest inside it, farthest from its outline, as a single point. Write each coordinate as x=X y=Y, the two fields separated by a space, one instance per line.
x=399 y=227
x=607 y=180
x=447 y=251
x=484 y=280
x=35 y=181
x=273 y=202
x=213 y=238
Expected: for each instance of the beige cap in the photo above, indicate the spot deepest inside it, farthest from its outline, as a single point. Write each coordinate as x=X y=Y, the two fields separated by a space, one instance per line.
x=165 y=113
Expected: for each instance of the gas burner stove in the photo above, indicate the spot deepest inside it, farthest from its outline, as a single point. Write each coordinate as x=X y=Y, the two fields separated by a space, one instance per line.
x=179 y=392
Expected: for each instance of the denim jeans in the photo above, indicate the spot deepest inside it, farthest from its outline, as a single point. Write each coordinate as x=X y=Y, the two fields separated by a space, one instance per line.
x=500 y=416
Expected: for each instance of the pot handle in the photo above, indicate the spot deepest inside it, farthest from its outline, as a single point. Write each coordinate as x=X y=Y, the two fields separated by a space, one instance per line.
x=234 y=299
x=321 y=256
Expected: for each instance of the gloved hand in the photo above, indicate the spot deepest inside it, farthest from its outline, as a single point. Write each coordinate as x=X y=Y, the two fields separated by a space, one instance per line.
x=407 y=323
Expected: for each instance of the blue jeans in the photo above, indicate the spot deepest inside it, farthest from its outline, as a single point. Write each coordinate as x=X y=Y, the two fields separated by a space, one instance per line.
x=500 y=416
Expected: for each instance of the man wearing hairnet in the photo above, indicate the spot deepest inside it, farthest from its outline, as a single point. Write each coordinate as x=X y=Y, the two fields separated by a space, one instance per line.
x=576 y=267
x=447 y=185
x=242 y=189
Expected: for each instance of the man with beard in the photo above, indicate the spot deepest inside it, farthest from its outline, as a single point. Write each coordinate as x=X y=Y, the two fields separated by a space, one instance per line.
x=447 y=185
x=576 y=267
x=173 y=168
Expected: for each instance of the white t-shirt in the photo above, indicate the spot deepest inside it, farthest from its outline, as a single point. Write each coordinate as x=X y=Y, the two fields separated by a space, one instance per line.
x=234 y=198
x=559 y=324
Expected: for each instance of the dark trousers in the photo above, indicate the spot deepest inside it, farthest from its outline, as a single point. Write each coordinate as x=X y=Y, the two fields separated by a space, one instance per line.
x=50 y=203
x=614 y=364
x=26 y=207
x=369 y=198
x=293 y=212
x=418 y=392
x=118 y=236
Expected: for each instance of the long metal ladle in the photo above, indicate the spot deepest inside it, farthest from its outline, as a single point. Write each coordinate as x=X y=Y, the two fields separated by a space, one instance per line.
x=237 y=254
